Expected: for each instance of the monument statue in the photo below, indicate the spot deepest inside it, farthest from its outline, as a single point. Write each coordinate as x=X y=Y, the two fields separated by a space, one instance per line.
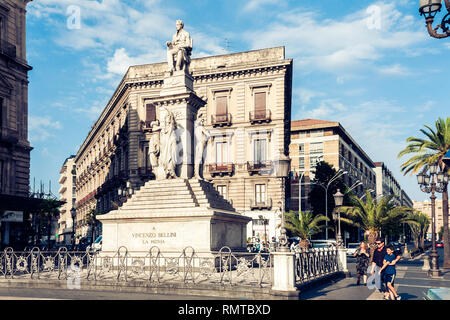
x=179 y=49
x=168 y=154
x=201 y=138
x=154 y=144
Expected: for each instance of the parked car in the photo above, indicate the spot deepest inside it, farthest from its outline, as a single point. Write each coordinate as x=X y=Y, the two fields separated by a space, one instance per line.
x=351 y=249
x=97 y=245
x=439 y=244
x=323 y=243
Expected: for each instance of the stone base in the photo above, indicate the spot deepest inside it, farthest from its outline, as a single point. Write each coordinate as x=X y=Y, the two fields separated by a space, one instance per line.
x=175 y=230
x=176 y=83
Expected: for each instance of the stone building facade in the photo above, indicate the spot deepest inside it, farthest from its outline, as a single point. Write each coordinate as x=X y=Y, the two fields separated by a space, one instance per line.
x=67 y=191
x=387 y=184
x=14 y=145
x=246 y=110
x=314 y=140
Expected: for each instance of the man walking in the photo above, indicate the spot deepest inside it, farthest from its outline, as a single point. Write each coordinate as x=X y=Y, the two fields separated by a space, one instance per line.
x=377 y=264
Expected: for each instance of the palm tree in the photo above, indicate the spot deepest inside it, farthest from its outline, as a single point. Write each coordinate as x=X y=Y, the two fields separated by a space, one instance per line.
x=49 y=210
x=304 y=225
x=427 y=151
x=419 y=229
x=373 y=217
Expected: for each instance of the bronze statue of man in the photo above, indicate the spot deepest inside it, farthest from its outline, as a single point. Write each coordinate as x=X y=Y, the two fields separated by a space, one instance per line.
x=179 y=49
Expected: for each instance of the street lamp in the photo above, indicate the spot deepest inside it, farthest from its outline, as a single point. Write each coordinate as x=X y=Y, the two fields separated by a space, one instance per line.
x=282 y=171
x=338 y=200
x=73 y=213
x=431 y=183
x=429 y=9
x=338 y=174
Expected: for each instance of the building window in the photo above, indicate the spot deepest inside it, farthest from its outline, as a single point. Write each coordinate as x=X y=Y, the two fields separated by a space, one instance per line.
x=316 y=133
x=221 y=152
x=221 y=108
x=260 y=193
x=260 y=150
x=301 y=163
x=150 y=114
x=313 y=161
x=316 y=147
x=222 y=189
x=301 y=148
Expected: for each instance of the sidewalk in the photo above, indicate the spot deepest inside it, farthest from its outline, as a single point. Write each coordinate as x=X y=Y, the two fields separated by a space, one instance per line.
x=411 y=283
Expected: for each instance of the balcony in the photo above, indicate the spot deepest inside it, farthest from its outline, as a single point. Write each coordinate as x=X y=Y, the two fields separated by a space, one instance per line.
x=8 y=49
x=62 y=179
x=221 y=169
x=220 y=120
x=260 y=116
x=146 y=126
x=261 y=205
x=259 y=167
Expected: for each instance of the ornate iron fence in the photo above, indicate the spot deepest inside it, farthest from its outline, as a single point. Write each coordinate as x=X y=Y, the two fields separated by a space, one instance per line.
x=153 y=267
x=315 y=263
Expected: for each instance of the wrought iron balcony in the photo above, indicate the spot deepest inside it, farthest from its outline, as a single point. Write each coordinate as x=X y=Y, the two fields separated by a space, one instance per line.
x=259 y=167
x=221 y=169
x=221 y=119
x=267 y=204
x=260 y=116
x=8 y=49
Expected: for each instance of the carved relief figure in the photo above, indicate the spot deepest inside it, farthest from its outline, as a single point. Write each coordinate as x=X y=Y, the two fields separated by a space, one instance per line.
x=154 y=145
x=179 y=49
x=201 y=139
x=168 y=159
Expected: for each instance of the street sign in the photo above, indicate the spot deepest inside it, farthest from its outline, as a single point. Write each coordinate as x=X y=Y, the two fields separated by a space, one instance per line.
x=12 y=216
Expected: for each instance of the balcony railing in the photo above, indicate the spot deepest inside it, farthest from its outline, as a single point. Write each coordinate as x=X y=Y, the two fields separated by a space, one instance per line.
x=260 y=116
x=259 y=167
x=8 y=49
x=221 y=119
x=267 y=204
x=221 y=169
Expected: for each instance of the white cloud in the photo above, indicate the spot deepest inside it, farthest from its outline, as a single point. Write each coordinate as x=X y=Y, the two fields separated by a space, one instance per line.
x=340 y=47
x=257 y=4
x=42 y=128
x=395 y=70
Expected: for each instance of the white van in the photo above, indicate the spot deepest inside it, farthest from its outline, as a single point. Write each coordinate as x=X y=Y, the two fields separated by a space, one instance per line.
x=323 y=243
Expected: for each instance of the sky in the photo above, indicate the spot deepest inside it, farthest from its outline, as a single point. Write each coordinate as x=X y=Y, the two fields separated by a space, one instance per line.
x=370 y=65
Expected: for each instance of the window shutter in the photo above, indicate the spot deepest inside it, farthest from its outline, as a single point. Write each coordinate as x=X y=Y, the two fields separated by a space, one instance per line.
x=221 y=105
x=150 y=113
x=260 y=105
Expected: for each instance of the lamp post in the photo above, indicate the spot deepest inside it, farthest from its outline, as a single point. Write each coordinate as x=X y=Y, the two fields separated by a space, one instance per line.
x=429 y=9
x=282 y=171
x=342 y=252
x=431 y=183
x=334 y=178
x=338 y=200
x=73 y=213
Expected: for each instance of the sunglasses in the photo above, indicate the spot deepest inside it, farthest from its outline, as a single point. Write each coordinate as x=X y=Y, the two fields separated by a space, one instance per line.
x=377 y=243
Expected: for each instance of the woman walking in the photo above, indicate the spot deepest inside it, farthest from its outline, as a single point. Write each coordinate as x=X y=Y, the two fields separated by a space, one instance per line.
x=362 y=261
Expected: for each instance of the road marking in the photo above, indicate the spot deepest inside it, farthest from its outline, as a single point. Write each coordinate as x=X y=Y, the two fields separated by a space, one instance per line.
x=426 y=279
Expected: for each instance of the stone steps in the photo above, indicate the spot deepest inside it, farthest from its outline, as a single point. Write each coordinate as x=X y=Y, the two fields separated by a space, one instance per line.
x=176 y=194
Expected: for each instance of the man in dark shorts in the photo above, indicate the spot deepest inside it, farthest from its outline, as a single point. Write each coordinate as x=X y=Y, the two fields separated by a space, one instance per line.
x=377 y=263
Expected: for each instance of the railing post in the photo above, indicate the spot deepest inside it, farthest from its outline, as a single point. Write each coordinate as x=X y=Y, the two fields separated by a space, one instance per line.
x=284 y=274
x=342 y=260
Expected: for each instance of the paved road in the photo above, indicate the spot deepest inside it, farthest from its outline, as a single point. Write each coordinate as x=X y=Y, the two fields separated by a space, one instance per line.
x=412 y=283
